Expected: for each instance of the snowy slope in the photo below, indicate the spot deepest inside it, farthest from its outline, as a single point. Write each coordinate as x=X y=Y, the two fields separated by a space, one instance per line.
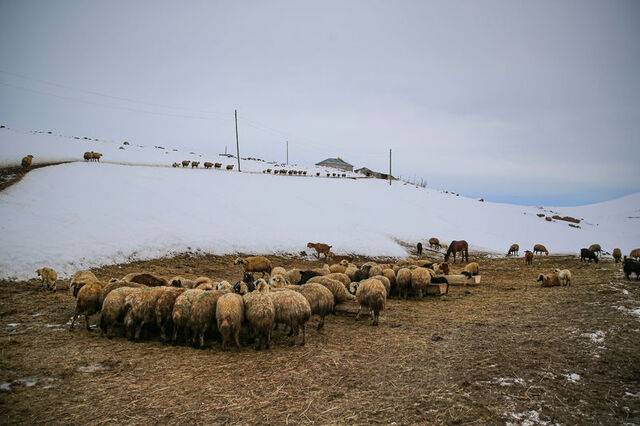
x=78 y=215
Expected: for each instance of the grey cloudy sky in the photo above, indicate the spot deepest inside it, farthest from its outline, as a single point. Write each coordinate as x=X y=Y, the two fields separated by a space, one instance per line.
x=531 y=102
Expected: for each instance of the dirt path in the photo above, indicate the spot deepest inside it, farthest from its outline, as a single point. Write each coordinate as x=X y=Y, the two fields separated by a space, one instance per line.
x=505 y=351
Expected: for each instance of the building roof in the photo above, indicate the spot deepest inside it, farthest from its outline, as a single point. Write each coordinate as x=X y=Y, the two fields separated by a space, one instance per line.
x=337 y=161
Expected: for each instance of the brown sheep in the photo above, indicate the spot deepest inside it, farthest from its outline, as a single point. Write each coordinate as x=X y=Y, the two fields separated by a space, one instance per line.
x=95 y=156
x=549 y=280
x=391 y=276
x=371 y=296
x=149 y=280
x=385 y=281
x=181 y=313
x=229 y=167
x=79 y=279
x=375 y=270
x=255 y=264
x=441 y=268
x=203 y=315
x=339 y=291
x=217 y=165
x=528 y=257
x=343 y=278
x=87 y=303
x=420 y=280
x=513 y=250
x=320 y=248
x=141 y=311
x=617 y=255
x=472 y=269
x=185 y=163
x=403 y=280
x=260 y=313
x=208 y=165
x=182 y=282
x=114 y=284
x=113 y=309
x=278 y=281
x=279 y=270
x=292 y=309
x=164 y=311
x=539 y=248
x=635 y=253
x=319 y=297
x=26 y=161
x=88 y=156
x=338 y=267
x=49 y=278
x=195 y=164
x=229 y=318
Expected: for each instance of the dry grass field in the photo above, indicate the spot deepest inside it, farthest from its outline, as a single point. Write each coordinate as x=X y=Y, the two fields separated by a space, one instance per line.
x=504 y=351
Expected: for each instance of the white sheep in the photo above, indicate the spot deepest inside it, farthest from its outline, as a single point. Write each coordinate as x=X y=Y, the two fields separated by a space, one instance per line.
x=564 y=276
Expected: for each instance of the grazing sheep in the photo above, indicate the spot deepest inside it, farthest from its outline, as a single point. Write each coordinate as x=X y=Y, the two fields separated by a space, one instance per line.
x=630 y=266
x=278 y=281
x=206 y=286
x=185 y=163
x=596 y=248
x=49 y=277
x=292 y=309
x=471 y=270
x=296 y=276
x=182 y=282
x=320 y=299
x=419 y=249
x=339 y=291
x=343 y=278
x=420 y=279
x=229 y=167
x=95 y=156
x=88 y=156
x=635 y=254
x=564 y=276
x=164 y=311
x=391 y=276
x=255 y=264
x=528 y=257
x=385 y=281
x=279 y=270
x=195 y=164
x=259 y=312
x=362 y=273
x=80 y=279
x=351 y=271
x=149 y=280
x=203 y=315
x=514 y=250
x=324 y=270
x=229 y=318
x=617 y=254
x=434 y=243
x=224 y=285
x=549 y=280
x=539 y=248
x=114 y=284
x=113 y=309
x=372 y=297
x=87 y=303
x=375 y=270
x=141 y=311
x=587 y=254
x=441 y=268
x=182 y=313
x=338 y=267
x=320 y=248
x=26 y=161
x=208 y=165
x=203 y=280
x=246 y=285
x=217 y=165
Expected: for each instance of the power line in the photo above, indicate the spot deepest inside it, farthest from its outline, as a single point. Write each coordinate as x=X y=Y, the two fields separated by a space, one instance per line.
x=120 y=98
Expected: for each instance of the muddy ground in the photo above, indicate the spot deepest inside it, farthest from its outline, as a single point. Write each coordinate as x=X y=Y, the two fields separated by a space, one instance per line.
x=504 y=351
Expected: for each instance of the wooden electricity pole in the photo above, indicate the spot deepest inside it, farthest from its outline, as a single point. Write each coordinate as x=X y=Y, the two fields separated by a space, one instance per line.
x=389 y=166
x=237 y=143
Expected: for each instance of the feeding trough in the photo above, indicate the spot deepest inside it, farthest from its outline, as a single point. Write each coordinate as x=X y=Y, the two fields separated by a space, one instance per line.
x=459 y=279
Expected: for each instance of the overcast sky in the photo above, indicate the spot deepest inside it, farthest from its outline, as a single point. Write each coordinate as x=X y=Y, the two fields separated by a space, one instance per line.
x=533 y=102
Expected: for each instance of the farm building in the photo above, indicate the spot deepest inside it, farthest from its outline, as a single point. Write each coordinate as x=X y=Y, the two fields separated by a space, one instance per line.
x=336 y=163
x=370 y=173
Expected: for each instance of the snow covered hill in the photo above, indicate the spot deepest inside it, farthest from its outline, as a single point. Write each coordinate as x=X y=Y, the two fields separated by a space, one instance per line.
x=78 y=215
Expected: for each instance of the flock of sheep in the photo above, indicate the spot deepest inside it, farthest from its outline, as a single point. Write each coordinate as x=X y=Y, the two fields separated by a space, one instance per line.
x=207 y=165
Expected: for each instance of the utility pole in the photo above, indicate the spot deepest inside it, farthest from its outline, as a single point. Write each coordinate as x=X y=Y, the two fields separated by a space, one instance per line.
x=287 y=153
x=237 y=143
x=389 y=166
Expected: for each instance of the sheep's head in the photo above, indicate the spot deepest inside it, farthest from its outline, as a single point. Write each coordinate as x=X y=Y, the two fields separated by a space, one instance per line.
x=39 y=272
x=278 y=281
x=224 y=286
x=262 y=286
x=176 y=282
x=541 y=278
x=353 y=287
x=239 y=261
x=344 y=263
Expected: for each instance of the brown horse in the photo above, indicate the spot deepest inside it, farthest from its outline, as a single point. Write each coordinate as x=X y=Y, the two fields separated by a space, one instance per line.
x=455 y=247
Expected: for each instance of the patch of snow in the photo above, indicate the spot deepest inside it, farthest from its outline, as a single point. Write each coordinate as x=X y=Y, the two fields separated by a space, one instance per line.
x=527 y=418
x=508 y=381
x=596 y=337
x=572 y=377
x=92 y=368
x=5 y=387
x=13 y=325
